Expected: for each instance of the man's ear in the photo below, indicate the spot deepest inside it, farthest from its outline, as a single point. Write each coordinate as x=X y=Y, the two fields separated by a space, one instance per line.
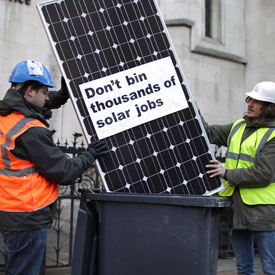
x=29 y=91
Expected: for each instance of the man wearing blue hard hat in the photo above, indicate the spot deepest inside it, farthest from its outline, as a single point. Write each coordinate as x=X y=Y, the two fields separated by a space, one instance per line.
x=32 y=166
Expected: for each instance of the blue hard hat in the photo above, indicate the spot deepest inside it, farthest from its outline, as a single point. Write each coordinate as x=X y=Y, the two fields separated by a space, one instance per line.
x=31 y=70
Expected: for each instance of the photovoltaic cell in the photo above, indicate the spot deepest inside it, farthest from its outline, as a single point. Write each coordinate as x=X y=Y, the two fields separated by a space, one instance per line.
x=100 y=38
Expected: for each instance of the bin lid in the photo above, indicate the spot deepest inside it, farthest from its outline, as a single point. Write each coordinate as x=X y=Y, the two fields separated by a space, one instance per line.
x=184 y=200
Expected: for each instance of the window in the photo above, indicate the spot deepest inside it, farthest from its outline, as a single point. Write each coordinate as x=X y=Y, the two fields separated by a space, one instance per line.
x=213 y=19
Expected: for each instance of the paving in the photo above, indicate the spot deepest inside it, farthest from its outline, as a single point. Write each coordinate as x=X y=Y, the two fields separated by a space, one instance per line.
x=228 y=266
x=225 y=267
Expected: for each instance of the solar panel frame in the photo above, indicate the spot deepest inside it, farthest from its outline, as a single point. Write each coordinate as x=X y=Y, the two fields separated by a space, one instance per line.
x=96 y=39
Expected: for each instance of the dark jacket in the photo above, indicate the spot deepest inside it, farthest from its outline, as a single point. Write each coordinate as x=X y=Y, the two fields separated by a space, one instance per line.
x=256 y=217
x=36 y=145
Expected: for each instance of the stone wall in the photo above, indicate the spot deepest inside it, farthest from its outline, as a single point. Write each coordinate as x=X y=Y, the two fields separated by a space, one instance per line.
x=22 y=36
x=260 y=41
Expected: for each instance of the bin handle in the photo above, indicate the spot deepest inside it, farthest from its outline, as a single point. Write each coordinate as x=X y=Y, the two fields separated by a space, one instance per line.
x=83 y=201
x=83 y=204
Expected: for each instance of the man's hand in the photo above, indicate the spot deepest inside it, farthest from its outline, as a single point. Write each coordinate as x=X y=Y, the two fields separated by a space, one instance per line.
x=97 y=148
x=216 y=169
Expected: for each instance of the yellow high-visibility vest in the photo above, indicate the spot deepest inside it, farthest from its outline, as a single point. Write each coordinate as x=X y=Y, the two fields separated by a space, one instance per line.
x=243 y=155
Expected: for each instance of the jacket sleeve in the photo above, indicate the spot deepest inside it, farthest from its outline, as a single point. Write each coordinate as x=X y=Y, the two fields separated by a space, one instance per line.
x=259 y=175
x=58 y=98
x=217 y=134
x=37 y=145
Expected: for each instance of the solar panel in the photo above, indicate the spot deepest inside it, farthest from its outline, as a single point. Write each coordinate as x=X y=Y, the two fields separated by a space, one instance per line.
x=127 y=87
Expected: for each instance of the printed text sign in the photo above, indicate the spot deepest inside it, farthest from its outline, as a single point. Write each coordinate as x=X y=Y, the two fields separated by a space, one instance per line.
x=132 y=97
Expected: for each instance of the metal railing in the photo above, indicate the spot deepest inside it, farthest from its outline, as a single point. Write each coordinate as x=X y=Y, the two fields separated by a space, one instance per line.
x=61 y=233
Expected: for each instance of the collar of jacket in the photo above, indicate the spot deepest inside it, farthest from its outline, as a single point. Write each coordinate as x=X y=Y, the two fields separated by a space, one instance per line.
x=262 y=124
x=13 y=101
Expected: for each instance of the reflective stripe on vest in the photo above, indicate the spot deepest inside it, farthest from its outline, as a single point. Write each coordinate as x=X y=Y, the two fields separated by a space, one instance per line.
x=9 y=141
x=243 y=155
x=22 y=188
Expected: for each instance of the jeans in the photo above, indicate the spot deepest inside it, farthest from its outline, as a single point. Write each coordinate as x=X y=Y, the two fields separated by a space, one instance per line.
x=243 y=245
x=24 y=251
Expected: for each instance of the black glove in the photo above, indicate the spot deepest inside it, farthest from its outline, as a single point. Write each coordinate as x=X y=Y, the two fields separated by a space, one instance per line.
x=64 y=90
x=97 y=148
x=58 y=98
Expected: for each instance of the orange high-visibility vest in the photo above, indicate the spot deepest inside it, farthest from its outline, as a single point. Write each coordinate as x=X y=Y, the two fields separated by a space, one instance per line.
x=22 y=188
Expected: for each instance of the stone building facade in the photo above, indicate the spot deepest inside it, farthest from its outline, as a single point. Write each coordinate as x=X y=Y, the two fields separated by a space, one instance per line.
x=224 y=47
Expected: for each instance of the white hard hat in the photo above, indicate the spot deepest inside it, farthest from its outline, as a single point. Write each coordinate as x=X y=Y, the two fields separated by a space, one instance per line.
x=263 y=91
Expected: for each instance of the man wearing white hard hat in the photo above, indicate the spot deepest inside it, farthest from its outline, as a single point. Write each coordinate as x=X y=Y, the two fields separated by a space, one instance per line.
x=32 y=166
x=249 y=176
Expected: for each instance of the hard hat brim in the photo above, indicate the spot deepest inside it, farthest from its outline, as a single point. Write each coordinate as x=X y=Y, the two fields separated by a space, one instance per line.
x=259 y=97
